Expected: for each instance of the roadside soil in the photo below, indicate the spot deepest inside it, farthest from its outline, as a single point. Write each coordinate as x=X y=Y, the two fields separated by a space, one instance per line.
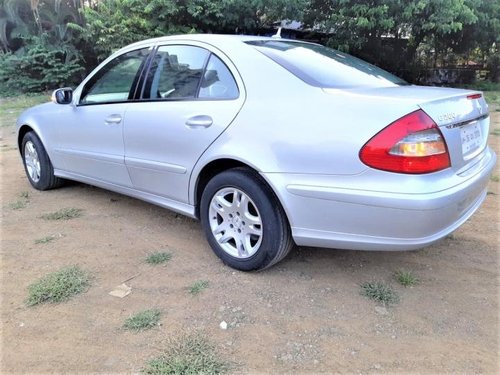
x=305 y=315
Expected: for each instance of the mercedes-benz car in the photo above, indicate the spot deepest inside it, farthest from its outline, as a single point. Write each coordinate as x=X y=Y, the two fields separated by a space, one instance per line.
x=269 y=142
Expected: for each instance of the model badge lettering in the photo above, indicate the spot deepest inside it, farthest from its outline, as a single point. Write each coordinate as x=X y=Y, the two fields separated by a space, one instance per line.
x=447 y=117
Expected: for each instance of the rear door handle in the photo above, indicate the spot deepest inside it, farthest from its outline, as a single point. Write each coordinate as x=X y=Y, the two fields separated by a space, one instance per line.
x=113 y=119
x=199 y=121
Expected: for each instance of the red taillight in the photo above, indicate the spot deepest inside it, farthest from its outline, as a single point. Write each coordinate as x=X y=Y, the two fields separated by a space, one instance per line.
x=412 y=144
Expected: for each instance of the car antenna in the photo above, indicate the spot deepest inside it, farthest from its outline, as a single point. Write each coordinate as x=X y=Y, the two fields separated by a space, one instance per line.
x=278 y=33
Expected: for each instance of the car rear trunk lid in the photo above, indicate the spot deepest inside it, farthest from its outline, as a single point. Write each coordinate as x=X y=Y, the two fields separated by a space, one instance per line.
x=464 y=122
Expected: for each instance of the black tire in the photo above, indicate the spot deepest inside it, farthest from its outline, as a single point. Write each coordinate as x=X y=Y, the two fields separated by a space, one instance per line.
x=45 y=180
x=275 y=238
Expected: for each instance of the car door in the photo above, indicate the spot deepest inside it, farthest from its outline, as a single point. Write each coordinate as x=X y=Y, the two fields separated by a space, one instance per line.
x=189 y=97
x=90 y=142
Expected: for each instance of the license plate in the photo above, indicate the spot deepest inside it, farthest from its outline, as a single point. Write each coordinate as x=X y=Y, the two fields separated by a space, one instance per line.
x=471 y=138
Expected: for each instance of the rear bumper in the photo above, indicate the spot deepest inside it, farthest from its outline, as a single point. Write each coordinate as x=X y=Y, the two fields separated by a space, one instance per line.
x=378 y=210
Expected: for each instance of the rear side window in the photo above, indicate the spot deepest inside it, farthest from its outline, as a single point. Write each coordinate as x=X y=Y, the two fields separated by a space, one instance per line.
x=175 y=72
x=180 y=72
x=218 y=82
x=324 y=67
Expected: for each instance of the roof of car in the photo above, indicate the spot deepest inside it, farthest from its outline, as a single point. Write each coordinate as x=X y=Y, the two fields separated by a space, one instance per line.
x=213 y=38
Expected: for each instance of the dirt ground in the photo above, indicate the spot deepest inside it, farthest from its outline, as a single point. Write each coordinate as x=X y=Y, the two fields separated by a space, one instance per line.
x=305 y=315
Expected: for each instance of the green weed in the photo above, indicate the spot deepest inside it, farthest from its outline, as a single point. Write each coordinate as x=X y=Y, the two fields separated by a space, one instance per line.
x=58 y=286
x=379 y=292
x=63 y=214
x=143 y=320
x=45 y=239
x=405 y=278
x=198 y=287
x=189 y=354
x=158 y=257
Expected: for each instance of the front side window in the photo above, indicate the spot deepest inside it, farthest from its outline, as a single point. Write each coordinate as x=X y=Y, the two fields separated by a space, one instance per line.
x=116 y=81
x=175 y=72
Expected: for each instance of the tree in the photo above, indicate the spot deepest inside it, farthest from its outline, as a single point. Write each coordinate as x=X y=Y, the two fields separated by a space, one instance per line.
x=111 y=24
x=398 y=33
x=39 y=51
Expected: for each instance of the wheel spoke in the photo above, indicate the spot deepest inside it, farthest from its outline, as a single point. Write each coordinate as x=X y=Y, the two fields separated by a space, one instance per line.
x=242 y=201
x=225 y=238
x=217 y=207
x=30 y=148
x=220 y=228
x=251 y=219
x=251 y=229
x=242 y=249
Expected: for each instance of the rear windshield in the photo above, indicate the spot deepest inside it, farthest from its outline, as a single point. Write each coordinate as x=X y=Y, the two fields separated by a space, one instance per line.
x=324 y=67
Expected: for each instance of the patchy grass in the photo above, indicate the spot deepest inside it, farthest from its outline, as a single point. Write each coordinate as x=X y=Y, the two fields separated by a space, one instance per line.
x=406 y=278
x=45 y=239
x=495 y=131
x=492 y=97
x=198 y=287
x=143 y=320
x=58 y=286
x=18 y=205
x=189 y=354
x=379 y=292
x=63 y=214
x=25 y=196
x=158 y=257
x=11 y=108
x=495 y=178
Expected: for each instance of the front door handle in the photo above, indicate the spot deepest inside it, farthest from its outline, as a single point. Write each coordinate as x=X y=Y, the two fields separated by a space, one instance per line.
x=113 y=119
x=199 y=121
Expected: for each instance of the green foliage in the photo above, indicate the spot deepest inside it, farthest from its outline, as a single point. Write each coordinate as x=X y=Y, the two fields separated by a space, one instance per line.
x=58 y=286
x=116 y=23
x=158 y=257
x=113 y=24
x=48 y=44
x=410 y=34
x=38 y=67
x=188 y=355
x=143 y=320
x=379 y=292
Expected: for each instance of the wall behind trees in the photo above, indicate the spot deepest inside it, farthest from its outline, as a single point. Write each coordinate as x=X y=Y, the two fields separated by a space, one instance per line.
x=51 y=43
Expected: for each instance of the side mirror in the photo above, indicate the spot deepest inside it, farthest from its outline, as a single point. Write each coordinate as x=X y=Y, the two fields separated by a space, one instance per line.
x=63 y=96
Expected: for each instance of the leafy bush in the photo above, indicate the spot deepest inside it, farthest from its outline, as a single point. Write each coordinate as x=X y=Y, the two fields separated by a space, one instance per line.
x=38 y=67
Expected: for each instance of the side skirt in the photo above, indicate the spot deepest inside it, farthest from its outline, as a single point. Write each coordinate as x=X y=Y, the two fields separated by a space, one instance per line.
x=182 y=208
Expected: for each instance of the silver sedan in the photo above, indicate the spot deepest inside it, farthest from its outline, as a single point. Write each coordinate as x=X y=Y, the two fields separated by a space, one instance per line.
x=269 y=142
